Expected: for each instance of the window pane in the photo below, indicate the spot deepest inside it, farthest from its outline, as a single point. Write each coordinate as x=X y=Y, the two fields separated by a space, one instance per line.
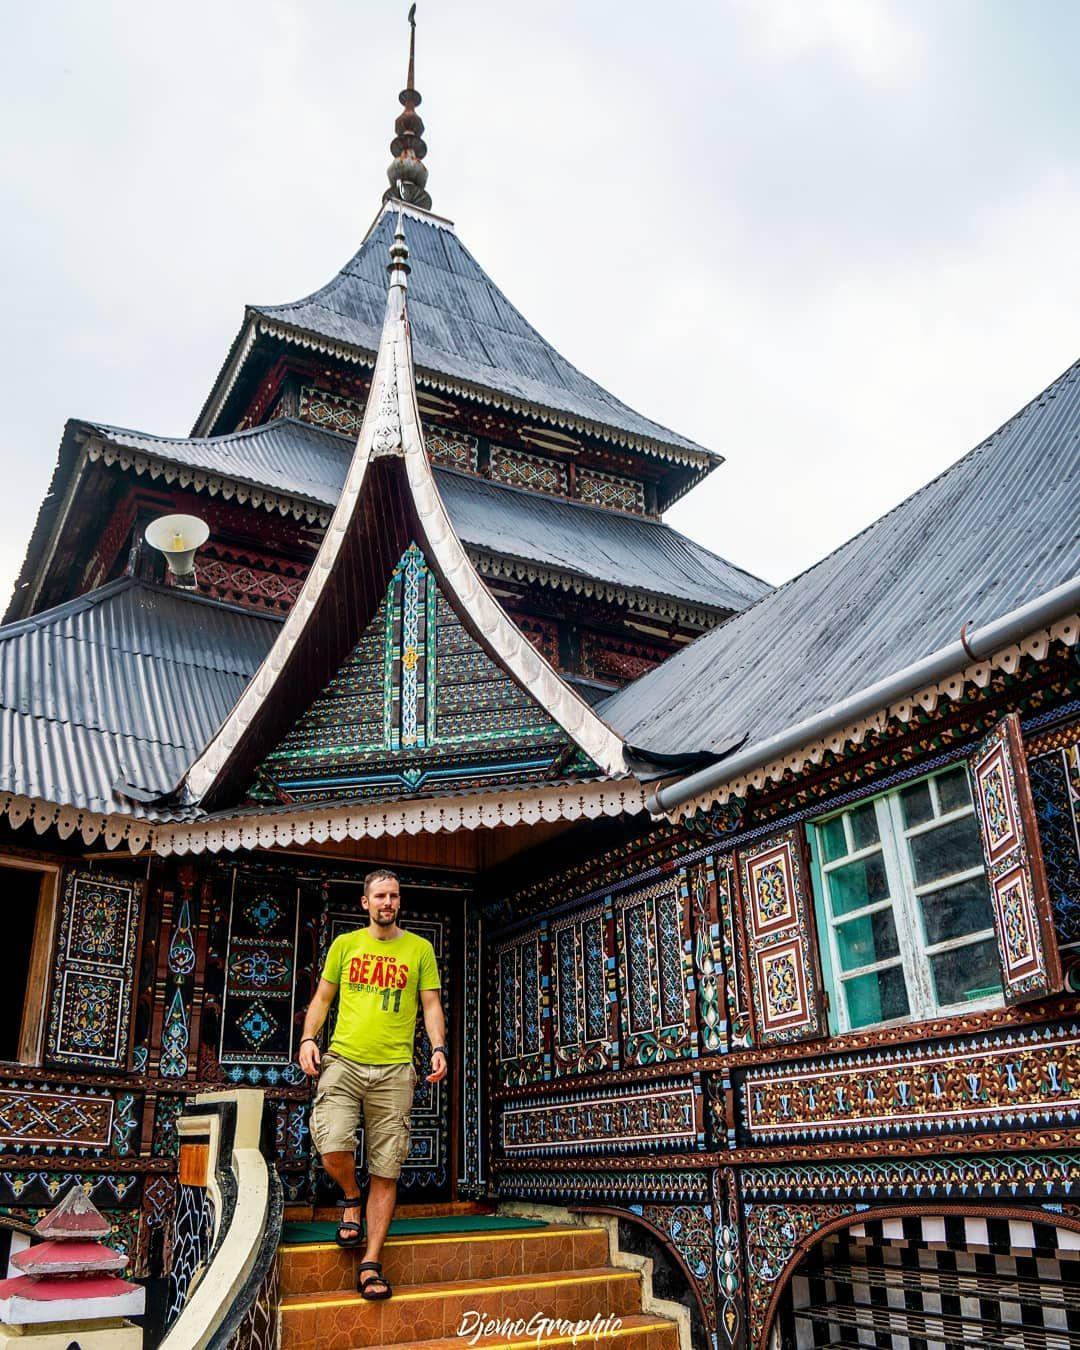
x=862 y=942
x=858 y=884
x=950 y=848
x=877 y=997
x=967 y=972
x=917 y=804
x=864 y=828
x=953 y=790
x=833 y=843
x=957 y=910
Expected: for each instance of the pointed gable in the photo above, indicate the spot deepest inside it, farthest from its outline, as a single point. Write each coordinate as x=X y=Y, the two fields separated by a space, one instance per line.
x=390 y=521
x=418 y=706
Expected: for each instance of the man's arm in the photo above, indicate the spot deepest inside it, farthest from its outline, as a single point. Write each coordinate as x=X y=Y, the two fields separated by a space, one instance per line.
x=435 y=1026
x=314 y=1018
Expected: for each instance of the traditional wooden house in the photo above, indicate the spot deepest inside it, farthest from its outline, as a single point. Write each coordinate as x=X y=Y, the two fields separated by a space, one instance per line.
x=756 y=908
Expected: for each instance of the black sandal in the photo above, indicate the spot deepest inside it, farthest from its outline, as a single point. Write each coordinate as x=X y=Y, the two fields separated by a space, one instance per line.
x=363 y=1286
x=354 y=1230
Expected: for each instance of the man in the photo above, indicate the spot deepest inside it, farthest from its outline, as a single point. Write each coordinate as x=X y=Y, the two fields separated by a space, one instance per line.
x=376 y=973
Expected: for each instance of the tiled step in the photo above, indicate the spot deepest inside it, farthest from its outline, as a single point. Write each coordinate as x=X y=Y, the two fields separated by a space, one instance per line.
x=343 y=1320
x=635 y=1331
x=305 y=1213
x=309 y=1268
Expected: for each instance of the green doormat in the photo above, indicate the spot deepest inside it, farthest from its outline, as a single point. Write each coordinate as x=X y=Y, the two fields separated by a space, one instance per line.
x=324 y=1230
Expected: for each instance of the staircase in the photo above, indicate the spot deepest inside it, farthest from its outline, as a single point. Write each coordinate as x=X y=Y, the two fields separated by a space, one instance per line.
x=446 y=1282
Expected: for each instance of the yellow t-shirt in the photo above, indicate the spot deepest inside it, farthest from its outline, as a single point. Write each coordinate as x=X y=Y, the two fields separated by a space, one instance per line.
x=378 y=981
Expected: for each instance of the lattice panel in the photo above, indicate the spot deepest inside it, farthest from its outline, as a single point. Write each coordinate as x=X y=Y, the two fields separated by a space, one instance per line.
x=583 y=992
x=331 y=410
x=243 y=582
x=520 y=469
x=523 y=1023
x=604 y=656
x=454 y=449
x=655 y=974
x=608 y=489
x=1055 y=787
x=90 y=1010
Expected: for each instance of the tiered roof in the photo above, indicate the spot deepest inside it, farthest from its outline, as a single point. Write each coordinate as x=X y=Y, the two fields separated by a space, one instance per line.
x=468 y=339
x=290 y=466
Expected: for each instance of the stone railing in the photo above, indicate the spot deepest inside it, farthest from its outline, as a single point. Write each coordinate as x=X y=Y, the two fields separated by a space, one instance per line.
x=223 y=1286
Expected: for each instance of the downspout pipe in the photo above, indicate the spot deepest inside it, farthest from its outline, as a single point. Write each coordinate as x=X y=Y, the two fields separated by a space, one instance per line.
x=972 y=646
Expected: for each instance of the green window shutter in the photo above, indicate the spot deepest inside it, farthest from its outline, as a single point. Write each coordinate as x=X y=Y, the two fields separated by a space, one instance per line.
x=1019 y=897
x=781 y=959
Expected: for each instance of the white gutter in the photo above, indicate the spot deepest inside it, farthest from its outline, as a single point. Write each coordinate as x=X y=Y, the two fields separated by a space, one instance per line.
x=971 y=647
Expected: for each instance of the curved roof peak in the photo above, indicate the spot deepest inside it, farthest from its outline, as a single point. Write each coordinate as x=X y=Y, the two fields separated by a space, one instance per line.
x=389 y=495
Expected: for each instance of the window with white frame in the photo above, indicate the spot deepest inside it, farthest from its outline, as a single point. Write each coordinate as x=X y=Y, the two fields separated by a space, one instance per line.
x=908 y=926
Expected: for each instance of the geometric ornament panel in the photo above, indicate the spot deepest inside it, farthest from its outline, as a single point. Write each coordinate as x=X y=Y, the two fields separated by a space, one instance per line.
x=781 y=953
x=260 y=973
x=417 y=706
x=90 y=1009
x=1019 y=895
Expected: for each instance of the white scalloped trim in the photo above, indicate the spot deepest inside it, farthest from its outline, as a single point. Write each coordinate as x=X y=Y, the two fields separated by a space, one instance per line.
x=229 y=489
x=91 y=825
x=1036 y=645
x=319 y=825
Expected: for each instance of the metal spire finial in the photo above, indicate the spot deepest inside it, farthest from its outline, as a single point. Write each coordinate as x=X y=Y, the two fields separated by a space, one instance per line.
x=398 y=267
x=411 y=77
x=407 y=174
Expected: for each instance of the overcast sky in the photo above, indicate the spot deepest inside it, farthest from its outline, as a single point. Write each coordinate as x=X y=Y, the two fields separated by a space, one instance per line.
x=837 y=240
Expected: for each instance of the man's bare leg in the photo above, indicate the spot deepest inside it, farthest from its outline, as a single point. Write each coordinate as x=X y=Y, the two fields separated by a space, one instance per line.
x=341 y=1167
x=382 y=1197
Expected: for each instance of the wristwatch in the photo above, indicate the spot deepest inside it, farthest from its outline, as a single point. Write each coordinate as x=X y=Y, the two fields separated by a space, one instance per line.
x=441 y=1050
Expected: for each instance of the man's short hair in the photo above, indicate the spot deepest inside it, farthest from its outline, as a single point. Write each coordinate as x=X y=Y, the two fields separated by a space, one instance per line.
x=380 y=874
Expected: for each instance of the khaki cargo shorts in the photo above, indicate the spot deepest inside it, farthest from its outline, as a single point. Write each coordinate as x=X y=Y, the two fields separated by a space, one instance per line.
x=383 y=1092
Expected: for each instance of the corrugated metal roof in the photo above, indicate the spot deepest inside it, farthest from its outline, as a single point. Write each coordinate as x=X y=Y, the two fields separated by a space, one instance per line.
x=287 y=455
x=998 y=528
x=463 y=327
x=127 y=683
x=587 y=541
x=632 y=552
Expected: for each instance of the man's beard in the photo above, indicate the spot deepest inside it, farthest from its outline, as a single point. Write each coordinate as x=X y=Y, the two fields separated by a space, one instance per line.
x=383 y=921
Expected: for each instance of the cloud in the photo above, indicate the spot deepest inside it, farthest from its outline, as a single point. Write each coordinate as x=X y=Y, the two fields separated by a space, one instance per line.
x=874 y=39
x=834 y=404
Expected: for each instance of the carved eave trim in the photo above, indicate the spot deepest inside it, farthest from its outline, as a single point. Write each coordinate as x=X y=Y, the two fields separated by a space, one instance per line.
x=372 y=820
x=641 y=602
x=116 y=829
x=202 y=480
x=391 y=428
x=704 y=460
x=329 y=824
x=1035 y=646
